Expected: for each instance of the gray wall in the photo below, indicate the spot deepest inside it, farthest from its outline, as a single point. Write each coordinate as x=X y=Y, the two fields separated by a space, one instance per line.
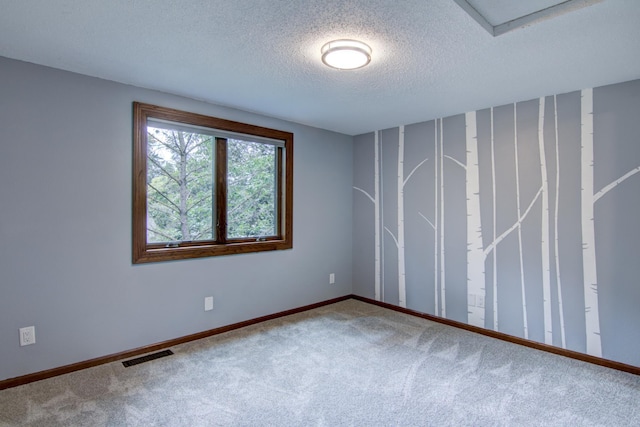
x=65 y=227
x=534 y=282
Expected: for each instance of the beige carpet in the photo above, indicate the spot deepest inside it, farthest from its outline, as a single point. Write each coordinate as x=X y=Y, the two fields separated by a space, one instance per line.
x=349 y=363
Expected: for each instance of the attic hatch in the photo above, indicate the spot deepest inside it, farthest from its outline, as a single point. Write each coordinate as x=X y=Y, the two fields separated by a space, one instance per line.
x=501 y=16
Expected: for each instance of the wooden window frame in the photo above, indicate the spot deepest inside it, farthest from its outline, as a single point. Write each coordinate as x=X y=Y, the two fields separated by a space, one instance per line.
x=144 y=252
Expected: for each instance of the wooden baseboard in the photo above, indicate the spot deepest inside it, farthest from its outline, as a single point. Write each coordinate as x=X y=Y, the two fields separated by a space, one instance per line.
x=37 y=376
x=504 y=337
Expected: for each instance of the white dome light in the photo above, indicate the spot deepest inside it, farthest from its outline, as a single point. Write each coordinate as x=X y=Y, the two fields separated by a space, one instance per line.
x=346 y=54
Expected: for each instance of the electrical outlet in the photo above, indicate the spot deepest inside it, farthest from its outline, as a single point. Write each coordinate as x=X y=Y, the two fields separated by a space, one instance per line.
x=27 y=335
x=332 y=278
x=208 y=303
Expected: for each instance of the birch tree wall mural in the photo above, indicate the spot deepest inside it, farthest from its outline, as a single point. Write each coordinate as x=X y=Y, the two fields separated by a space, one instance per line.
x=544 y=229
x=494 y=256
x=376 y=207
x=434 y=225
x=546 y=195
x=443 y=282
x=519 y=212
x=475 y=249
x=588 y=228
x=402 y=292
x=555 y=224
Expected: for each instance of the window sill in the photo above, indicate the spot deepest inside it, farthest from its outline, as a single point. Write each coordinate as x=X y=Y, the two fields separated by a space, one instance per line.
x=201 y=251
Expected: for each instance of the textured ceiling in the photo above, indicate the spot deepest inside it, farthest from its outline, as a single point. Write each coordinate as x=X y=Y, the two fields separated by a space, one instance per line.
x=430 y=58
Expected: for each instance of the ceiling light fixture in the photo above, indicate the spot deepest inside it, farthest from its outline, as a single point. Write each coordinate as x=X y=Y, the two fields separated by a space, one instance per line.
x=346 y=54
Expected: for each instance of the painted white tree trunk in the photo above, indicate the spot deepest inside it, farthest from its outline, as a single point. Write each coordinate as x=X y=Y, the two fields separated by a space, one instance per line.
x=376 y=198
x=435 y=214
x=475 y=250
x=495 y=225
x=555 y=226
x=522 y=282
x=443 y=282
x=382 y=227
x=402 y=292
x=592 y=317
x=544 y=241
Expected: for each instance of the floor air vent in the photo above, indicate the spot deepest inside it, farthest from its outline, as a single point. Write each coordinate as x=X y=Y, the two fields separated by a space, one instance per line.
x=147 y=358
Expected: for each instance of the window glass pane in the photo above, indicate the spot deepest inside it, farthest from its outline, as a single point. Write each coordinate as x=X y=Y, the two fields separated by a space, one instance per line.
x=205 y=186
x=251 y=189
x=180 y=187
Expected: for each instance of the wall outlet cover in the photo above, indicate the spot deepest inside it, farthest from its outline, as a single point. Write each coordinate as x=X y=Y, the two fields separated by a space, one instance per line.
x=27 y=335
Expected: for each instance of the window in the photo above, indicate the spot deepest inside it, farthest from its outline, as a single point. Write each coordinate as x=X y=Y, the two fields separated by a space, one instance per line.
x=204 y=186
